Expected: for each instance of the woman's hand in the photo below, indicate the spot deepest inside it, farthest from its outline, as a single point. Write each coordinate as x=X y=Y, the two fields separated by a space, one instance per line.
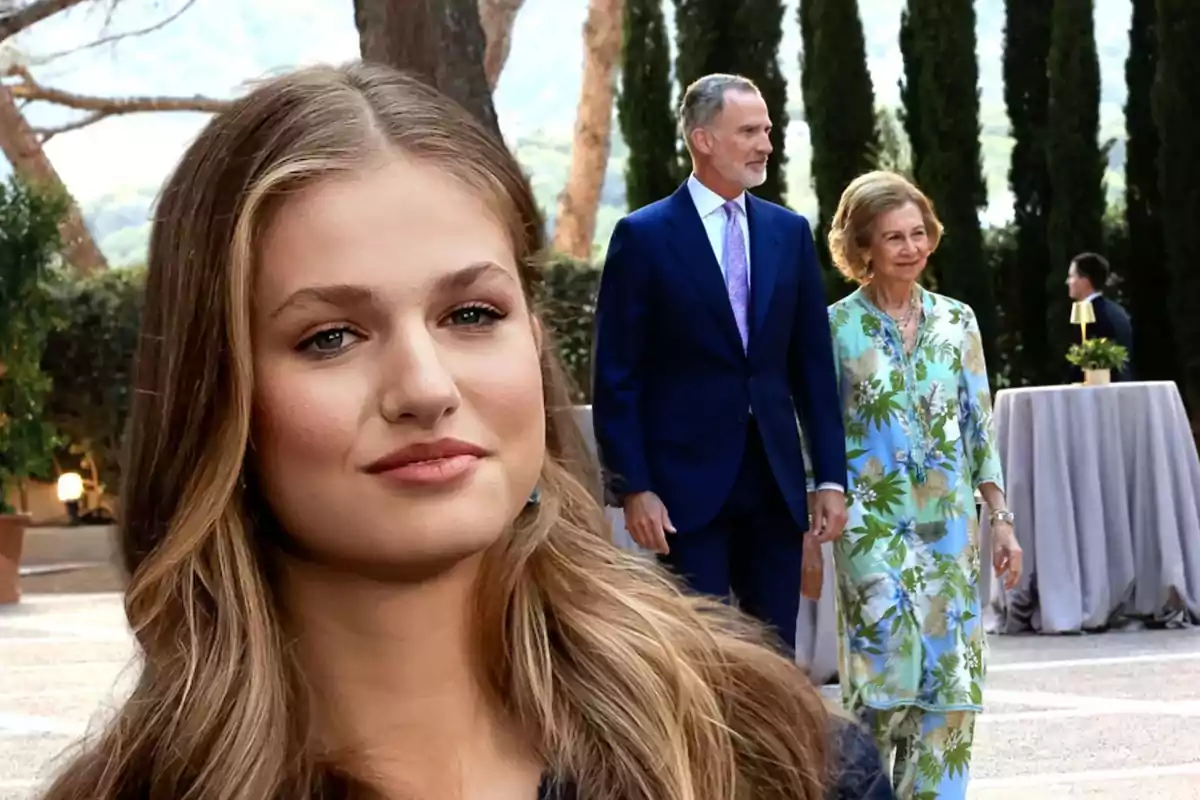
x=1007 y=556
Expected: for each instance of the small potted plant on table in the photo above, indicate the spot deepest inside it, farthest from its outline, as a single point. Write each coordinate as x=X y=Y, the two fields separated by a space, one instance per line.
x=1098 y=358
x=29 y=245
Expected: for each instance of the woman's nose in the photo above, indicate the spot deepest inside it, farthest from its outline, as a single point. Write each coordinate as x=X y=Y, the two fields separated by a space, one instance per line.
x=416 y=383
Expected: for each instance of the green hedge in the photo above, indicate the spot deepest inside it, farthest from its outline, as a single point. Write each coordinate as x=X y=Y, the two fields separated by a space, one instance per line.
x=29 y=243
x=567 y=302
x=90 y=362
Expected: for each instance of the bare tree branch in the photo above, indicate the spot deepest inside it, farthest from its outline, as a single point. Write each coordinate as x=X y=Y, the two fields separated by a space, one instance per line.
x=116 y=37
x=28 y=90
x=46 y=134
x=29 y=15
x=497 y=18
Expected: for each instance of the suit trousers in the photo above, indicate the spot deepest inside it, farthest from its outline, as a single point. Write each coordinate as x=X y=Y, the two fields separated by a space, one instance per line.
x=752 y=548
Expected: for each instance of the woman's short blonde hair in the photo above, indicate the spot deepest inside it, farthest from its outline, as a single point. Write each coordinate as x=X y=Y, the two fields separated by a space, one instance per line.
x=867 y=197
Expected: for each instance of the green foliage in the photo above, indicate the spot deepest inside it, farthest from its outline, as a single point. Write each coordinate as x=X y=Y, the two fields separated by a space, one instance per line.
x=740 y=38
x=910 y=103
x=941 y=80
x=567 y=302
x=1099 y=353
x=29 y=242
x=1076 y=165
x=90 y=360
x=1024 y=283
x=644 y=110
x=839 y=105
x=1176 y=100
x=892 y=149
x=1147 y=279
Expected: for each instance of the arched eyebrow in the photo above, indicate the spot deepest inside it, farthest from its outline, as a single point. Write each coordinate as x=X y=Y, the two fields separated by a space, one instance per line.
x=344 y=295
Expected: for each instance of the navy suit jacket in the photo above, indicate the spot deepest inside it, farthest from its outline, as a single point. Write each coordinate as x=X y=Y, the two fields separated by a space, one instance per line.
x=1112 y=322
x=673 y=388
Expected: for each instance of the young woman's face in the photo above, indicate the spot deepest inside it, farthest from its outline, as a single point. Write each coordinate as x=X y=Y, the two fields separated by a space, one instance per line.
x=399 y=422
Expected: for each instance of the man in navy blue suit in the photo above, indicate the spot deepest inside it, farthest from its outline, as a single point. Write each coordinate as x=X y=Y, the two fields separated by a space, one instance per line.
x=1086 y=278
x=712 y=341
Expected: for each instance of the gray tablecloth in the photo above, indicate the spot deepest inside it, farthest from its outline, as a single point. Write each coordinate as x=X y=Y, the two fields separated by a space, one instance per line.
x=816 y=629
x=1105 y=485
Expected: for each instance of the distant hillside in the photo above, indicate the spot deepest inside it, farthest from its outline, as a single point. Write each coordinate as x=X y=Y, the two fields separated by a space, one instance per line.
x=115 y=168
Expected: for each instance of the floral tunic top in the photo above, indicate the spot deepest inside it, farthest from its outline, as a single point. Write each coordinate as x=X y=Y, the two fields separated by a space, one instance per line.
x=919 y=440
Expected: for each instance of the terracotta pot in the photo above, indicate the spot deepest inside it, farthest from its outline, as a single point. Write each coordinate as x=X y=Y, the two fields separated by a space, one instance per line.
x=12 y=541
x=1097 y=377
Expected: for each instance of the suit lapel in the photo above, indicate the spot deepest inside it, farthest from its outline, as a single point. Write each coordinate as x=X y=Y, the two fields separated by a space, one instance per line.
x=764 y=261
x=698 y=261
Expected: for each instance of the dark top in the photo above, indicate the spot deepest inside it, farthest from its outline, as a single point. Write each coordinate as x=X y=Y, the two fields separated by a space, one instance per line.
x=857 y=768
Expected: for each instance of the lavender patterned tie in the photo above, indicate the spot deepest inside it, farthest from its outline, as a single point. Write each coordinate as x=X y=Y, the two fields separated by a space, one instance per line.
x=737 y=270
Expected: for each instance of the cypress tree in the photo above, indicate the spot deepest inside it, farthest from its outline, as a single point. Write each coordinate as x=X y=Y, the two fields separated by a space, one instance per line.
x=1076 y=163
x=742 y=39
x=644 y=110
x=1026 y=94
x=1176 y=101
x=944 y=89
x=910 y=105
x=839 y=105
x=1147 y=278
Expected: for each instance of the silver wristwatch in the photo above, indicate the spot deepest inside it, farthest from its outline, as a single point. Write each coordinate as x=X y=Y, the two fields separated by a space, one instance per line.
x=1001 y=515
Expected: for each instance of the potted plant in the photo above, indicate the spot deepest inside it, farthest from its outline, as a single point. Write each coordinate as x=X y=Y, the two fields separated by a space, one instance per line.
x=1098 y=358
x=29 y=245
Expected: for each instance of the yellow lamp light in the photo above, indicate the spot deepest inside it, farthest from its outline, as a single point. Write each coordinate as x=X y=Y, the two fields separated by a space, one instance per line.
x=70 y=487
x=1083 y=314
x=70 y=490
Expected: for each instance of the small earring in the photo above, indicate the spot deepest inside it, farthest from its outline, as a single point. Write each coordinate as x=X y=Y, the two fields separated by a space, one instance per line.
x=535 y=497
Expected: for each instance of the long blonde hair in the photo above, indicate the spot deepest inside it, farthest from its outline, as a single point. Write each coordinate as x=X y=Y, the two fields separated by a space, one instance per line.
x=627 y=686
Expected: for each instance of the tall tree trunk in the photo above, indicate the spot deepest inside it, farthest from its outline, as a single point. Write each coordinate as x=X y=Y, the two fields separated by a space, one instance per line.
x=1176 y=103
x=1076 y=165
x=1027 y=97
x=839 y=105
x=497 y=18
x=1154 y=354
x=644 y=109
x=23 y=150
x=575 y=225
x=441 y=41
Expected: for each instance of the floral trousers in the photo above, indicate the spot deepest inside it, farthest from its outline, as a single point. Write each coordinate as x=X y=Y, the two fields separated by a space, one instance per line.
x=928 y=753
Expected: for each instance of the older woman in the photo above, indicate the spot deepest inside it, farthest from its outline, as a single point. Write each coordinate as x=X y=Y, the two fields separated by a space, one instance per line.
x=919 y=440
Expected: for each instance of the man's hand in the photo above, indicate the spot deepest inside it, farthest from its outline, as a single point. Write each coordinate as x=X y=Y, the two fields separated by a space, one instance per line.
x=827 y=507
x=647 y=521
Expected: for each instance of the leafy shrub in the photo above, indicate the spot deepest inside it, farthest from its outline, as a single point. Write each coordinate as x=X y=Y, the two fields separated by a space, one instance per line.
x=567 y=301
x=29 y=243
x=1099 y=353
x=90 y=360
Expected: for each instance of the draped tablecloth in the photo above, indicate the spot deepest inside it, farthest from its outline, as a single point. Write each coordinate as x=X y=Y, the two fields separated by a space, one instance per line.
x=1104 y=482
x=816 y=629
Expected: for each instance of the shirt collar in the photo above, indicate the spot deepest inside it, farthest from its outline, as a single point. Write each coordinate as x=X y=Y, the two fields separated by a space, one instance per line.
x=1092 y=297
x=707 y=201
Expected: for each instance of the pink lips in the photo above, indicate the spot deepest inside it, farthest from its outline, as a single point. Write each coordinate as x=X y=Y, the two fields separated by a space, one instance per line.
x=429 y=463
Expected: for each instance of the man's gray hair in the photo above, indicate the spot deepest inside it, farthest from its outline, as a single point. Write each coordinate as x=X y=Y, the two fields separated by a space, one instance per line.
x=705 y=98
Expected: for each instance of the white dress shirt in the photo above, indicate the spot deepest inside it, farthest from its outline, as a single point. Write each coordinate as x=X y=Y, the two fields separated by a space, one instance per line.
x=710 y=207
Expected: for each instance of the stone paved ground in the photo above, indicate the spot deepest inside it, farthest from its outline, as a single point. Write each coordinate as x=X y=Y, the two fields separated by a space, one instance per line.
x=1113 y=716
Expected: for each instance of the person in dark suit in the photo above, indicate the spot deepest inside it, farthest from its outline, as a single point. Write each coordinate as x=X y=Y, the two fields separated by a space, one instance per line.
x=712 y=340
x=1086 y=278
